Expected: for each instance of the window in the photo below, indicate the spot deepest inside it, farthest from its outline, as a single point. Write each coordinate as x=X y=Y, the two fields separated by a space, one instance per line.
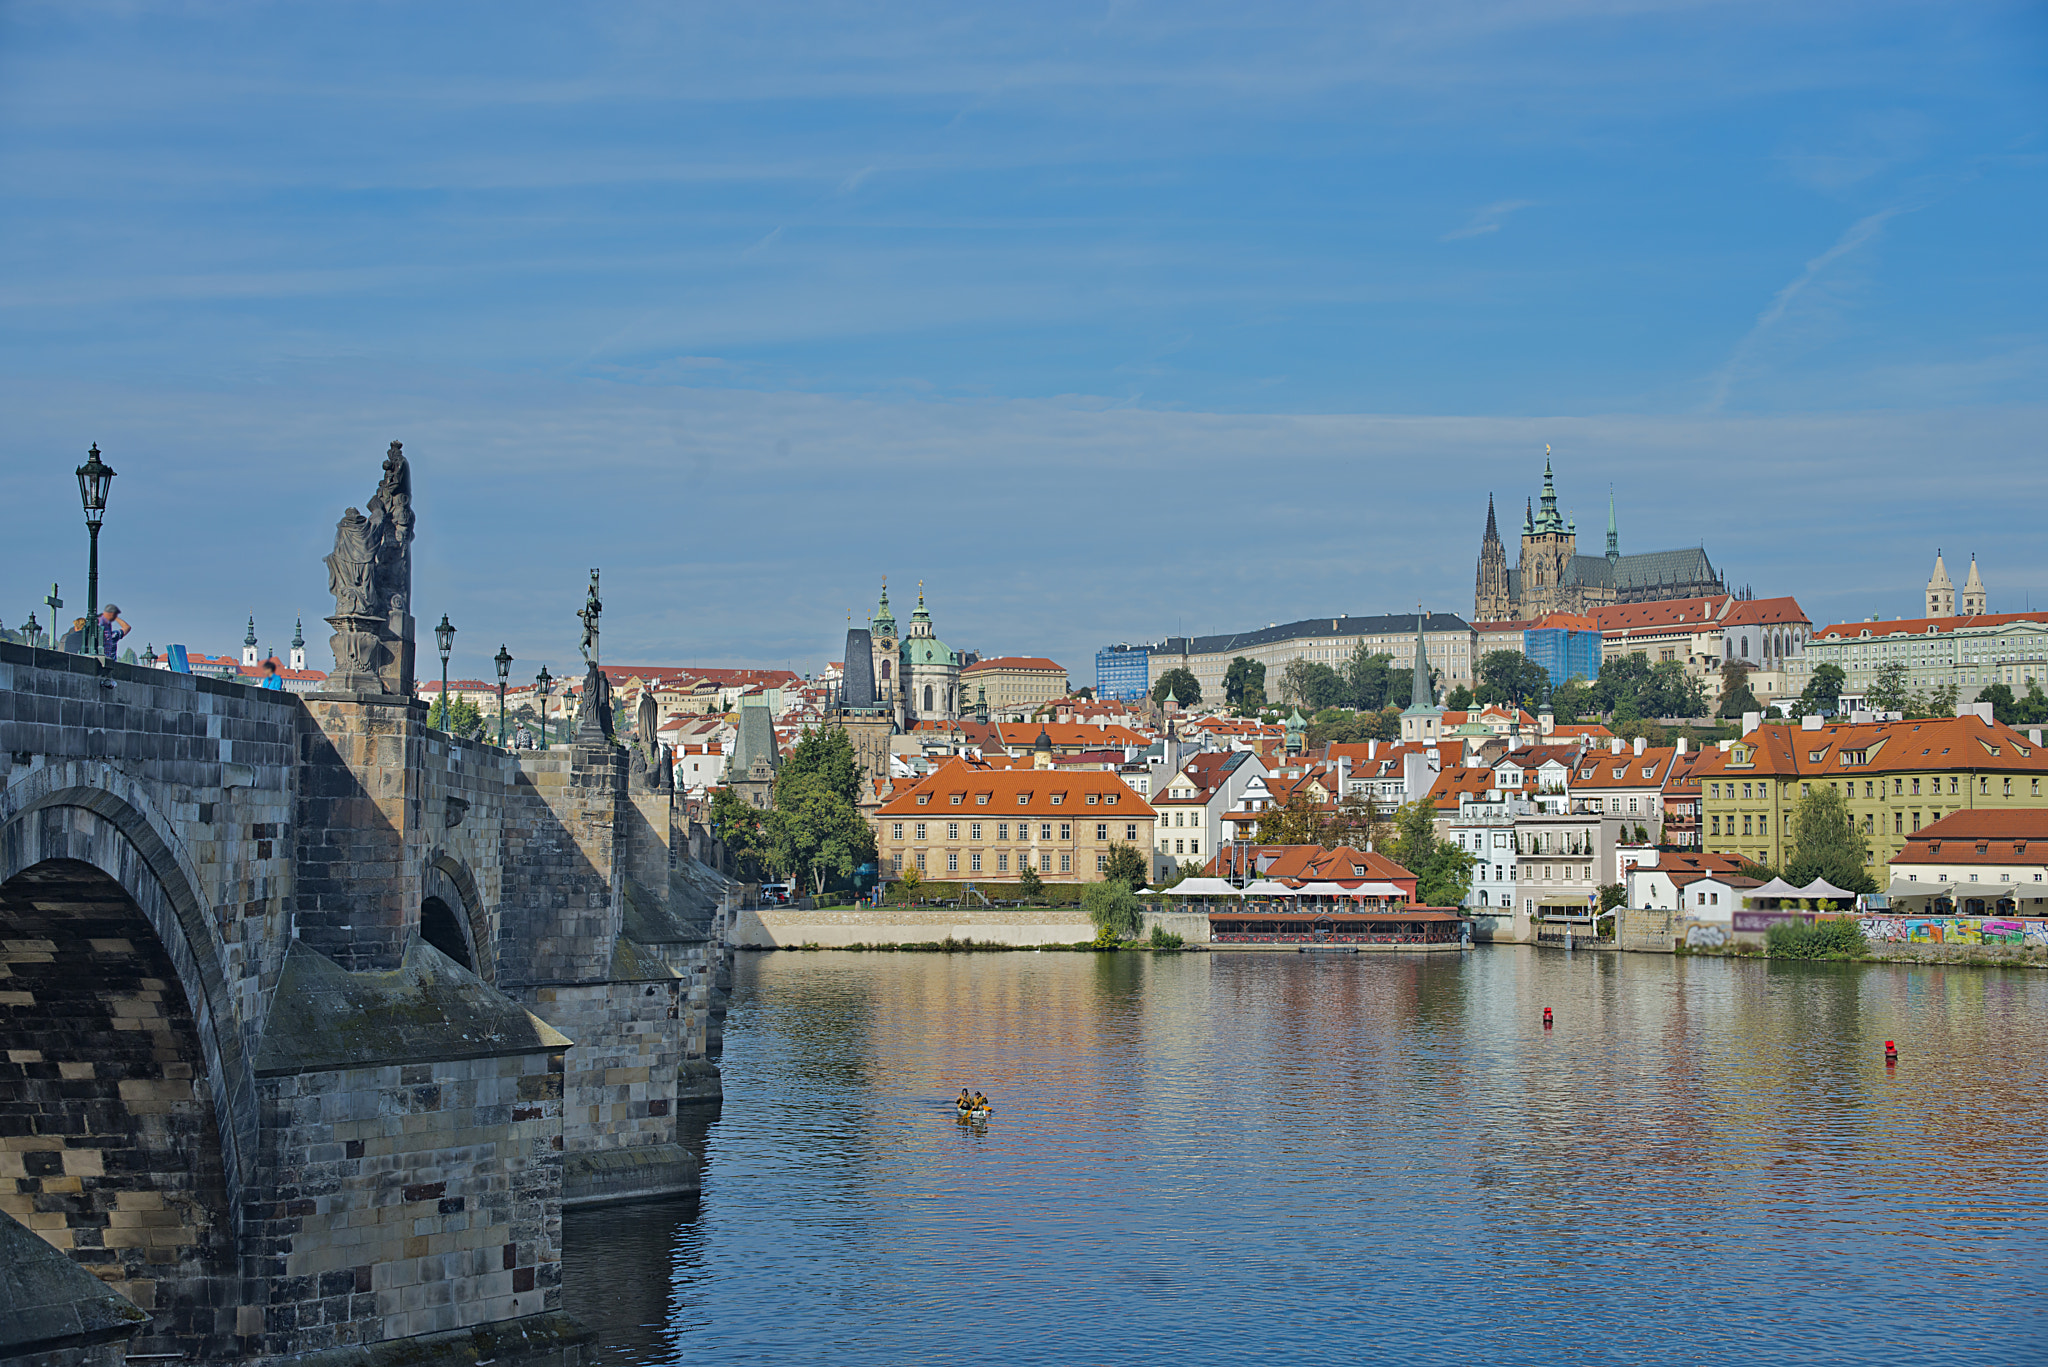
x=1045 y=830
x=1194 y=847
x=896 y=830
x=1045 y=863
x=1916 y=787
x=1003 y=861
x=958 y=798
x=1002 y=830
x=1102 y=863
x=1898 y=823
x=1058 y=798
x=920 y=859
x=1102 y=830
x=1178 y=847
x=1131 y=831
x=1716 y=824
x=1916 y=821
x=974 y=831
x=1091 y=799
x=952 y=830
x=2008 y=787
x=1745 y=790
x=974 y=862
x=1066 y=863
x=981 y=799
x=1023 y=798
x=920 y=830
x=1110 y=800
x=1716 y=793
x=1868 y=822
x=924 y=799
x=1746 y=826
x=1763 y=825
x=1805 y=789
x=952 y=861
x=1867 y=789
x=1952 y=785
x=1066 y=831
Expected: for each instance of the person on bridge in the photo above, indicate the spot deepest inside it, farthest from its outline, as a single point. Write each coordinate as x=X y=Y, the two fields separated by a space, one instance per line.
x=112 y=629
x=75 y=639
x=270 y=674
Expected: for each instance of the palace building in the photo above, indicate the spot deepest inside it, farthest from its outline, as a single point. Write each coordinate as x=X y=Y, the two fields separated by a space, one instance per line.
x=1551 y=575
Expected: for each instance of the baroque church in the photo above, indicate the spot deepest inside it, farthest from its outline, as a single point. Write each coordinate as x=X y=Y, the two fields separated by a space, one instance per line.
x=916 y=675
x=1551 y=575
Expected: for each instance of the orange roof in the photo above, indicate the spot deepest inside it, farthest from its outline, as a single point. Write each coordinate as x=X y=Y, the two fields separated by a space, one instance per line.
x=1563 y=621
x=1764 y=612
x=1067 y=735
x=1936 y=743
x=1986 y=835
x=1672 y=613
x=1452 y=784
x=1924 y=626
x=1604 y=769
x=1311 y=863
x=1016 y=662
x=1064 y=794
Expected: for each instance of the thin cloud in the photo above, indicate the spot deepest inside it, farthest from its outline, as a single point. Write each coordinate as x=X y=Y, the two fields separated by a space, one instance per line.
x=1488 y=220
x=1860 y=232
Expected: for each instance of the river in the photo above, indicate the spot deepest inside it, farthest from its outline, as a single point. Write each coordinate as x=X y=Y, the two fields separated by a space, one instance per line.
x=1207 y=1158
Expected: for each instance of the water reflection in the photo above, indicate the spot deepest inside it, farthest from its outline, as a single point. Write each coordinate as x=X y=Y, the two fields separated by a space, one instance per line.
x=1345 y=1158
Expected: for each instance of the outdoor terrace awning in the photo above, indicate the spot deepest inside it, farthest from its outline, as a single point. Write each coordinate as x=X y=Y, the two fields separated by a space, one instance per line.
x=1821 y=887
x=1268 y=888
x=1203 y=887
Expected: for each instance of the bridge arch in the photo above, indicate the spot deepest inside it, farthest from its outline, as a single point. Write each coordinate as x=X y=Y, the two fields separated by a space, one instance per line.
x=128 y=1100
x=453 y=918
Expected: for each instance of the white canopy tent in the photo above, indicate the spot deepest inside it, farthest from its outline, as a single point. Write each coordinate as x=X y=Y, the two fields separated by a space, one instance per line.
x=1777 y=888
x=1821 y=887
x=1203 y=887
x=1268 y=888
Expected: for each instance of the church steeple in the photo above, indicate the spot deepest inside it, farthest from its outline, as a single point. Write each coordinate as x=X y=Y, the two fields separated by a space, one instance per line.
x=1549 y=521
x=1613 y=536
x=1972 y=603
x=1941 y=591
x=1490 y=594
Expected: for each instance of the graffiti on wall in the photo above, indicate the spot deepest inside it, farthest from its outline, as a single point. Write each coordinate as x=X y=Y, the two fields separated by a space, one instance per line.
x=1954 y=930
x=1705 y=937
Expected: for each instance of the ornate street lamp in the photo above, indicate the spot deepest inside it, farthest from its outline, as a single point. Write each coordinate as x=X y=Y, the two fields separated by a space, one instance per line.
x=33 y=630
x=93 y=478
x=543 y=684
x=503 y=661
x=149 y=656
x=444 y=637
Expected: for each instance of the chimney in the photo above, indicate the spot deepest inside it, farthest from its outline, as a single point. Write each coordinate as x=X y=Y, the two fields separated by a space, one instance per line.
x=1343 y=773
x=1751 y=721
x=2034 y=734
x=1682 y=744
x=1810 y=723
x=1372 y=749
x=1614 y=746
x=1639 y=745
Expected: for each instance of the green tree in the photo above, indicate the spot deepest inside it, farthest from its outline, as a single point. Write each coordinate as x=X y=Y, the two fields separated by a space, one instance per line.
x=456 y=715
x=1823 y=692
x=1443 y=872
x=1888 y=688
x=1513 y=679
x=1941 y=701
x=1359 y=824
x=1622 y=680
x=1671 y=692
x=1181 y=683
x=745 y=833
x=1337 y=725
x=1312 y=685
x=1298 y=821
x=1827 y=844
x=1612 y=895
x=1458 y=699
x=1414 y=834
x=825 y=756
x=2031 y=710
x=1244 y=683
x=1736 y=697
x=2003 y=704
x=1368 y=679
x=1113 y=909
x=1128 y=866
x=1029 y=884
x=1572 y=700
x=818 y=831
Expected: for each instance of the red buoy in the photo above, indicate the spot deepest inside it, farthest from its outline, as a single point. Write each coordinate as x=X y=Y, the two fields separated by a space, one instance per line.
x=1891 y=1052
x=1546 y=1018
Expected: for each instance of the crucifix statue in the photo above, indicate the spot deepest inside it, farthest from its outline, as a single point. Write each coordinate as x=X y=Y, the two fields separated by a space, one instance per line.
x=594 y=710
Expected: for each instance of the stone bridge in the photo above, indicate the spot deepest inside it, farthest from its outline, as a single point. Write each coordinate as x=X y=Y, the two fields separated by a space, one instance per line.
x=314 y=1017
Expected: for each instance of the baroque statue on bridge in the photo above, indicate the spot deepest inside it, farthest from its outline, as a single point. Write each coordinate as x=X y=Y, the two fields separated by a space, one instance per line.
x=369 y=572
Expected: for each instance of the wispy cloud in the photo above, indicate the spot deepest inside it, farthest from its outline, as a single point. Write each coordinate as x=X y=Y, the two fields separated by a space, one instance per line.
x=1740 y=359
x=1489 y=219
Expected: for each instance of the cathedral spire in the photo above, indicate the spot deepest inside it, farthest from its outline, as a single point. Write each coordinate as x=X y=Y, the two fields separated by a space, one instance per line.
x=1492 y=533
x=1613 y=536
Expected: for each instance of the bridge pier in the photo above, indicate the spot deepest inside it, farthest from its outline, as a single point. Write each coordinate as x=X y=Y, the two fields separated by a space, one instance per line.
x=312 y=1017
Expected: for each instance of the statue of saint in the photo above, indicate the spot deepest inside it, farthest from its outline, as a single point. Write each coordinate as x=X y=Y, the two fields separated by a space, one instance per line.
x=391 y=531
x=352 y=567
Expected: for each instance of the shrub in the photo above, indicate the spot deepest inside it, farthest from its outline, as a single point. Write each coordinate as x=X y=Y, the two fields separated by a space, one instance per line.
x=1162 y=938
x=1114 y=910
x=1106 y=938
x=1834 y=938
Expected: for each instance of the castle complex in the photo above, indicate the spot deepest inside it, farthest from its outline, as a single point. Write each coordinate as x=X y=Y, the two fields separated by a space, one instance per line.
x=1553 y=577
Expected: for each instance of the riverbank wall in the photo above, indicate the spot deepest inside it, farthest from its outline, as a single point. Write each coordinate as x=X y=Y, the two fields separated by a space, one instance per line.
x=1024 y=927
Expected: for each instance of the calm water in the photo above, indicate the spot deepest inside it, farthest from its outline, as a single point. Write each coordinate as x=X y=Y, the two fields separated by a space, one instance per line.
x=1220 y=1157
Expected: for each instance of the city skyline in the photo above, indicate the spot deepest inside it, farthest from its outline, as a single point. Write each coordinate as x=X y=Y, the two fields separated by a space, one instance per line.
x=1106 y=327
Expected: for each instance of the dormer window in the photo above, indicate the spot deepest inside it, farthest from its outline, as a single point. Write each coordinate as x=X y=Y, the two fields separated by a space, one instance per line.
x=1110 y=800
x=958 y=798
x=981 y=799
x=1023 y=799
x=924 y=799
x=1058 y=798
x=1092 y=799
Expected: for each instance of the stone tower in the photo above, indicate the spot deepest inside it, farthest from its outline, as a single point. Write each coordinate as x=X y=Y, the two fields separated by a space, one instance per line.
x=1490 y=599
x=1548 y=548
x=1973 y=603
x=1941 y=594
x=882 y=640
x=930 y=670
x=249 y=657
x=299 y=643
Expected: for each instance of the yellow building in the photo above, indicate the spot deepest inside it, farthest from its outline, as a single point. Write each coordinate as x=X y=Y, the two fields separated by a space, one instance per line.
x=1015 y=685
x=1896 y=777
x=989 y=825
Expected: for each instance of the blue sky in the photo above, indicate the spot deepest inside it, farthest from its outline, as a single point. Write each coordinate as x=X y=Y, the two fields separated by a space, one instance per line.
x=1105 y=321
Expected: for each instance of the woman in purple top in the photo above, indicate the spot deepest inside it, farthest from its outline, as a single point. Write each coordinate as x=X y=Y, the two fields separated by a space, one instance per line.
x=112 y=629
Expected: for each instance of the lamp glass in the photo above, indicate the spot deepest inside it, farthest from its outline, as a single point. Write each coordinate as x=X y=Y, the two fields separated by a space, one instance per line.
x=444 y=636
x=504 y=662
x=93 y=478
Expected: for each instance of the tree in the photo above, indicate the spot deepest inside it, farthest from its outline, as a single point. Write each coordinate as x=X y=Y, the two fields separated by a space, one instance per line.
x=1826 y=843
x=1443 y=872
x=1298 y=821
x=456 y=715
x=1612 y=895
x=1823 y=692
x=1359 y=824
x=1888 y=691
x=825 y=756
x=1621 y=681
x=1029 y=884
x=1368 y=679
x=1458 y=699
x=1335 y=725
x=1312 y=685
x=818 y=831
x=1572 y=700
x=1244 y=683
x=1511 y=678
x=1941 y=701
x=2031 y=710
x=1181 y=683
x=1128 y=866
x=1671 y=692
x=1736 y=697
x=2003 y=704
x=744 y=831
x=1113 y=909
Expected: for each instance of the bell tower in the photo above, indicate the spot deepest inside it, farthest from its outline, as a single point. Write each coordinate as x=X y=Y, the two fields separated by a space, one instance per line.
x=1490 y=602
x=1941 y=592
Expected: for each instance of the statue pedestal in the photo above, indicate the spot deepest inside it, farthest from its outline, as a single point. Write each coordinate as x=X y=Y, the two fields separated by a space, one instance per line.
x=358 y=654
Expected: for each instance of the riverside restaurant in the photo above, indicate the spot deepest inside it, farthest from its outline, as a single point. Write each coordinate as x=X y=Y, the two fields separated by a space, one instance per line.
x=1358 y=916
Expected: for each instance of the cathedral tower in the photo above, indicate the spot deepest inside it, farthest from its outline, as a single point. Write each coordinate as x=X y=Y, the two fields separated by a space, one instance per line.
x=1490 y=600
x=1548 y=549
x=1941 y=593
x=1972 y=602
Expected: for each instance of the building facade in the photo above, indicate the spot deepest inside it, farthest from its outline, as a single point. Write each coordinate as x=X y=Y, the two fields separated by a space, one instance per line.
x=1448 y=644
x=1551 y=576
x=964 y=824
x=1970 y=653
x=1565 y=645
x=1123 y=672
x=1014 y=684
x=1896 y=777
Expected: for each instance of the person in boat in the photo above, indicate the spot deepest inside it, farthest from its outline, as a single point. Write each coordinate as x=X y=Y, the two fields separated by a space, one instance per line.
x=966 y=1103
x=980 y=1102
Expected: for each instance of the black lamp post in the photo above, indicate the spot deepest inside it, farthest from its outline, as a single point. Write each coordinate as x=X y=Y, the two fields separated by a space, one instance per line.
x=504 y=664
x=33 y=630
x=444 y=637
x=149 y=656
x=93 y=478
x=544 y=684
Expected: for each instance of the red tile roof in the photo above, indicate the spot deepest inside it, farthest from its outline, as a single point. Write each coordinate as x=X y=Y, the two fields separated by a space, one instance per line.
x=1016 y=662
x=1923 y=626
x=1984 y=835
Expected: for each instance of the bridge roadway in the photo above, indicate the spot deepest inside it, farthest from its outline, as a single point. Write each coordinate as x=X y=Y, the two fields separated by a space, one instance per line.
x=313 y=1017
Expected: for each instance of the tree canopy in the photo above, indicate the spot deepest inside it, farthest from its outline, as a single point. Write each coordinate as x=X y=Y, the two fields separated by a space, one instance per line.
x=2031 y=710
x=1127 y=867
x=1180 y=682
x=1113 y=908
x=1823 y=692
x=1512 y=679
x=1736 y=696
x=1443 y=872
x=1244 y=684
x=1827 y=844
x=1630 y=687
